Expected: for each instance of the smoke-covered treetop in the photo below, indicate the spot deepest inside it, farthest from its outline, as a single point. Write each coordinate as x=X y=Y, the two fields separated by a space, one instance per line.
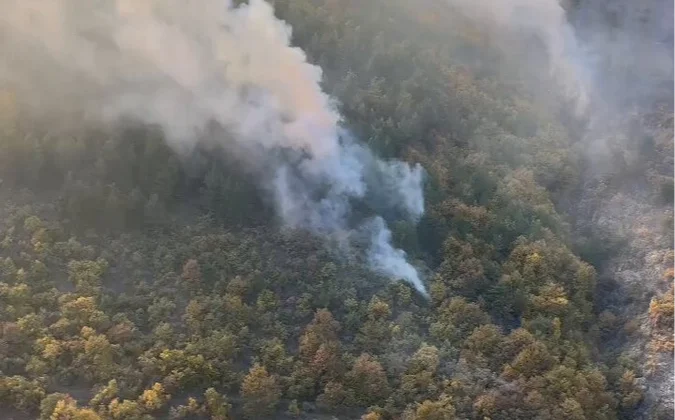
x=185 y=67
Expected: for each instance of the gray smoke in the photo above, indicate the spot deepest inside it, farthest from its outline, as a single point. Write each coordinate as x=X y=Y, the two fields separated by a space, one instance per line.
x=613 y=59
x=630 y=46
x=184 y=65
x=515 y=25
x=601 y=54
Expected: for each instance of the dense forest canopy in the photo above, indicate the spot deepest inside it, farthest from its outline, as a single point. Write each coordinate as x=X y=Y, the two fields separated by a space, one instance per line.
x=442 y=209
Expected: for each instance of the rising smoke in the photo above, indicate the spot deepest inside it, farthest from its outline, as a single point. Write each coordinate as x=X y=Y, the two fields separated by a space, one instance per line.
x=601 y=54
x=525 y=28
x=184 y=65
x=613 y=60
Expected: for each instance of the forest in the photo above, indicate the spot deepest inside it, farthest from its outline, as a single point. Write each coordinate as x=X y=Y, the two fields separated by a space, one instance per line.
x=141 y=281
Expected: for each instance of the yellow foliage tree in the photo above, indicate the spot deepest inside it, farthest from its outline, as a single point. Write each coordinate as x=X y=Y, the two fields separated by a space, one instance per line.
x=66 y=409
x=260 y=392
x=154 y=398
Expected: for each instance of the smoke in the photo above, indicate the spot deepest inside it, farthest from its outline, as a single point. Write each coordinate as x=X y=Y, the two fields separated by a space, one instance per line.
x=631 y=46
x=389 y=260
x=524 y=28
x=602 y=56
x=613 y=60
x=185 y=65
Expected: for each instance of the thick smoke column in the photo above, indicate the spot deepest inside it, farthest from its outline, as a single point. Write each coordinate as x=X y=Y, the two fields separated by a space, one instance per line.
x=184 y=65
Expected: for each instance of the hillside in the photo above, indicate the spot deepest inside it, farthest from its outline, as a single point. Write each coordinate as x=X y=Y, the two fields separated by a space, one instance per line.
x=524 y=270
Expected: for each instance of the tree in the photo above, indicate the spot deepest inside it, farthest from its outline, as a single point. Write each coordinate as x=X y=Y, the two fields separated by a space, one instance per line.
x=260 y=392
x=375 y=331
x=191 y=272
x=20 y=393
x=125 y=409
x=160 y=310
x=86 y=276
x=154 y=398
x=195 y=315
x=97 y=360
x=418 y=381
x=217 y=405
x=66 y=409
x=185 y=411
x=49 y=403
x=457 y=318
x=569 y=409
x=367 y=380
x=441 y=409
x=483 y=347
x=320 y=346
x=630 y=391
x=104 y=396
x=333 y=395
x=273 y=356
x=323 y=329
x=533 y=360
x=83 y=311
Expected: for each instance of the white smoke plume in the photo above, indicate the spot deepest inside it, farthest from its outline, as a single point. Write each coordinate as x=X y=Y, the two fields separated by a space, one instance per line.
x=513 y=22
x=184 y=65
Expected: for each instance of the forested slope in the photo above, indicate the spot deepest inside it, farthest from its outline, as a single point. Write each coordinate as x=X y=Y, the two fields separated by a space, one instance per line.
x=140 y=282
